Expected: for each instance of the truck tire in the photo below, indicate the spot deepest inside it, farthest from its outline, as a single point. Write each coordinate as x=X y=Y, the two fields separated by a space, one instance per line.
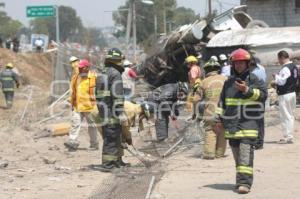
x=257 y=24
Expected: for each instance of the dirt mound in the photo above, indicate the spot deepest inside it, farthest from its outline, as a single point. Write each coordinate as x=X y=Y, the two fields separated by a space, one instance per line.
x=34 y=69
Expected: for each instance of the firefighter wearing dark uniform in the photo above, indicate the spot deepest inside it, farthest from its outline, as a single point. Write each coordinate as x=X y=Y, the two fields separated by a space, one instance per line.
x=240 y=109
x=165 y=98
x=110 y=103
x=8 y=77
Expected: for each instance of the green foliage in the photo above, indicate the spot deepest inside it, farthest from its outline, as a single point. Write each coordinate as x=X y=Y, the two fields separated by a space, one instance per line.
x=94 y=36
x=9 y=27
x=70 y=25
x=184 y=15
x=145 y=17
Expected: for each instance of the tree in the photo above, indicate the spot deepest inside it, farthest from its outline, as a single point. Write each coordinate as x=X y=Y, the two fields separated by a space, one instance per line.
x=95 y=37
x=9 y=27
x=70 y=25
x=145 y=16
x=184 y=15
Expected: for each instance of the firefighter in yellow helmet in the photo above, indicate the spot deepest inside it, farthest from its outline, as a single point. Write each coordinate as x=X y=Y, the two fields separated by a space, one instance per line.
x=7 y=78
x=194 y=69
x=209 y=92
x=74 y=62
x=194 y=75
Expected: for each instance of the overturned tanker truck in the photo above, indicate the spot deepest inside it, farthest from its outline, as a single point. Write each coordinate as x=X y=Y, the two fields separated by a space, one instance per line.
x=221 y=35
x=166 y=61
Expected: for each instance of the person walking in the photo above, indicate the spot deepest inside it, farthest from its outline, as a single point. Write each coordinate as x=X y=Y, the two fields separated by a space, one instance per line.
x=240 y=109
x=83 y=103
x=209 y=92
x=7 y=78
x=286 y=81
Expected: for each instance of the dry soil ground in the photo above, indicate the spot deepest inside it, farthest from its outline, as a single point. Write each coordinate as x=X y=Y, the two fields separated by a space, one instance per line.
x=43 y=168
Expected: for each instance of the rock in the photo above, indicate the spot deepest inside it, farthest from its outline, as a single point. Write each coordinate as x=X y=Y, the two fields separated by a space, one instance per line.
x=3 y=164
x=53 y=148
x=19 y=176
x=61 y=168
x=48 y=160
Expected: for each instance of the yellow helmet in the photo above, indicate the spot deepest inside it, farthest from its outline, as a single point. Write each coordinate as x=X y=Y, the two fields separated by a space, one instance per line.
x=9 y=65
x=191 y=58
x=73 y=58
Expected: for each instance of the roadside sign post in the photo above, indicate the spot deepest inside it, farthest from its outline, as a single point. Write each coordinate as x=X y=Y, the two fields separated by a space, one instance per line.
x=57 y=24
x=45 y=11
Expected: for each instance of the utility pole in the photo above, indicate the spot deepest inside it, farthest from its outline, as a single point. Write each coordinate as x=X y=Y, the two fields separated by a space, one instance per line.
x=57 y=24
x=134 y=29
x=209 y=8
x=128 y=28
x=155 y=25
x=165 y=18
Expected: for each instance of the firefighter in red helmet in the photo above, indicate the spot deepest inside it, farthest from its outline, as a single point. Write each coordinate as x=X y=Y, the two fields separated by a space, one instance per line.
x=239 y=111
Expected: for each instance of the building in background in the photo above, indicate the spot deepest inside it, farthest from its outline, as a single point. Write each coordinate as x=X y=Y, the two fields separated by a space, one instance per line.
x=276 y=13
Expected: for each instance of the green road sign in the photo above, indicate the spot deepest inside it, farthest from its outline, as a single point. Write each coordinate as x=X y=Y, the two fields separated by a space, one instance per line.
x=40 y=11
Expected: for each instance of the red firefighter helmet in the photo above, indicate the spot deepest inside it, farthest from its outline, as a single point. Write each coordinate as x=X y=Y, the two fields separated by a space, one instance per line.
x=83 y=63
x=240 y=55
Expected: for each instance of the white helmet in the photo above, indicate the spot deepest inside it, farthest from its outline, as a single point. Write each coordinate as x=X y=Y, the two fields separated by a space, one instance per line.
x=73 y=58
x=223 y=57
x=214 y=57
x=127 y=62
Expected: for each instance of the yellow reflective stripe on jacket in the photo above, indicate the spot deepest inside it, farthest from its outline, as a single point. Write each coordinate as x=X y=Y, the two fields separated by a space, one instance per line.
x=245 y=169
x=219 y=111
x=7 y=89
x=109 y=120
x=118 y=101
x=103 y=93
x=213 y=92
x=7 y=79
x=238 y=102
x=242 y=134
x=256 y=94
x=109 y=158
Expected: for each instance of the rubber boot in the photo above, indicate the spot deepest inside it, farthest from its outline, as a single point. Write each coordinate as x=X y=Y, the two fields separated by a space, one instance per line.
x=108 y=166
x=243 y=190
x=122 y=163
x=72 y=146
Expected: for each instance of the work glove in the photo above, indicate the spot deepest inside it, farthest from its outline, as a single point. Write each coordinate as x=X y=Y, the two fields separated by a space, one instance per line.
x=123 y=119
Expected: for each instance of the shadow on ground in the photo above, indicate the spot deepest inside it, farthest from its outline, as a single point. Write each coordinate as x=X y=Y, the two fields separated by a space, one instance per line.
x=226 y=187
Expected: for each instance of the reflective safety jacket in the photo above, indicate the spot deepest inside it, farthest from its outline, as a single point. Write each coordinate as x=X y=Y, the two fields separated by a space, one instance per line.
x=210 y=91
x=109 y=95
x=83 y=92
x=7 y=78
x=132 y=111
x=240 y=112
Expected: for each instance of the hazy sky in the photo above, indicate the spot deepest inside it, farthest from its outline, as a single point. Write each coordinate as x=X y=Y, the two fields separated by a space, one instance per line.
x=92 y=12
